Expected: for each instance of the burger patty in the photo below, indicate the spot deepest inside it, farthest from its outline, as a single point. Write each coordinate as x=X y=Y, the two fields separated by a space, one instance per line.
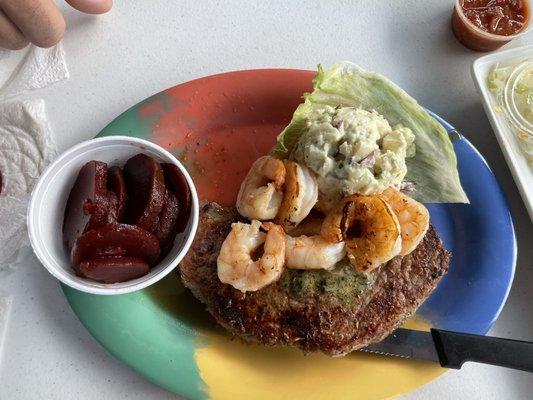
x=333 y=322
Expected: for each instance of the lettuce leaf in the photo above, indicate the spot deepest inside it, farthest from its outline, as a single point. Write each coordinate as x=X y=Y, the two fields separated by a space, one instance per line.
x=433 y=169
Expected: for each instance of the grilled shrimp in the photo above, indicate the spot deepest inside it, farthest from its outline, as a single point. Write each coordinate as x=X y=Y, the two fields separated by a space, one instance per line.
x=235 y=264
x=300 y=195
x=312 y=252
x=308 y=227
x=412 y=216
x=260 y=195
x=369 y=229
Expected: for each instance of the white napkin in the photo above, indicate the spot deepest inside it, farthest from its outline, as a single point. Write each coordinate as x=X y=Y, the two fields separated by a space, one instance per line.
x=26 y=147
x=38 y=69
x=26 y=140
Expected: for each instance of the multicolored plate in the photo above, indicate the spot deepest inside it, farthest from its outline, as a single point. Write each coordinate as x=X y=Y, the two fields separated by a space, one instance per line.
x=218 y=126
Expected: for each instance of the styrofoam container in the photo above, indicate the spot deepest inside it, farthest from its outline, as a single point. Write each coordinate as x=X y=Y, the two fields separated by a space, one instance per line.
x=49 y=197
x=505 y=133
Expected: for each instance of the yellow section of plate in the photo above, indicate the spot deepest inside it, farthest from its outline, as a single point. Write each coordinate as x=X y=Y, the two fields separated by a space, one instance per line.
x=233 y=369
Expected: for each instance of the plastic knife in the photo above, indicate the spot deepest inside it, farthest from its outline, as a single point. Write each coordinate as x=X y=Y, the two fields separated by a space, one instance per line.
x=452 y=349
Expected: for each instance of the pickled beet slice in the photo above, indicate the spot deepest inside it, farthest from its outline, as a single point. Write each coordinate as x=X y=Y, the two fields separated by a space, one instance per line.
x=112 y=207
x=109 y=251
x=112 y=269
x=145 y=187
x=166 y=227
x=116 y=183
x=178 y=185
x=118 y=239
x=87 y=203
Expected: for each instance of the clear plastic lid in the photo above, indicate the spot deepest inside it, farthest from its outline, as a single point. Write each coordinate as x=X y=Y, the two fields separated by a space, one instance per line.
x=518 y=97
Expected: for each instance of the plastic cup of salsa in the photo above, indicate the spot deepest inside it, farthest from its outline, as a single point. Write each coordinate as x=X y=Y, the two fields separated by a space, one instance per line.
x=478 y=39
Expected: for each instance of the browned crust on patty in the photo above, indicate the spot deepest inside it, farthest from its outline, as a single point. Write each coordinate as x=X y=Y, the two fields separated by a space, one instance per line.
x=320 y=322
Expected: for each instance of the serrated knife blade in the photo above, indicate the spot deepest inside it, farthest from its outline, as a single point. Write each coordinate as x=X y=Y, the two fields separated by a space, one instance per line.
x=407 y=343
x=452 y=349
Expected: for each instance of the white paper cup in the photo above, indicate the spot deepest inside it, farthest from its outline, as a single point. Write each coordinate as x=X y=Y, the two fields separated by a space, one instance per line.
x=49 y=198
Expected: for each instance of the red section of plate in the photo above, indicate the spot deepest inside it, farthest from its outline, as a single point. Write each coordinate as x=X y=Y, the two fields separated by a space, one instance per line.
x=225 y=123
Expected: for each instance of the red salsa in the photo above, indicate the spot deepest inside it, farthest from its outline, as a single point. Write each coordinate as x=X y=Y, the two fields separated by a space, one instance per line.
x=498 y=18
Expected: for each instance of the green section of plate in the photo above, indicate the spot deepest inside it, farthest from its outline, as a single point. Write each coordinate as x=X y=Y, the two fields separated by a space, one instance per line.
x=138 y=328
x=148 y=331
x=129 y=123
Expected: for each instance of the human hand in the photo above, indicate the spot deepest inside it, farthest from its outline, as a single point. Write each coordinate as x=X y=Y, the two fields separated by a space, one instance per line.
x=39 y=21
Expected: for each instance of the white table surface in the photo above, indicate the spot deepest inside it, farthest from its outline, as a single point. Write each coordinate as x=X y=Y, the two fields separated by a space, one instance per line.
x=142 y=47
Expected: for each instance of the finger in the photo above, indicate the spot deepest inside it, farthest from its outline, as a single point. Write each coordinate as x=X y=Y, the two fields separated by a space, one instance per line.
x=10 y=36
x=39 y=20
x=91 y=6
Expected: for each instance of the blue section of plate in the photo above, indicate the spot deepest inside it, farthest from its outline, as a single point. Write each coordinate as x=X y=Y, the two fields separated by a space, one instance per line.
x=482 y=239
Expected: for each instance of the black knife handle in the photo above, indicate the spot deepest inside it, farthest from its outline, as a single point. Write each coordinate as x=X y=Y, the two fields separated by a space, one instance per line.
x=455 y=348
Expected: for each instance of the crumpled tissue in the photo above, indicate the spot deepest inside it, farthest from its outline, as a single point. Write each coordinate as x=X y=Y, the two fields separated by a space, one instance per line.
x=26 y=147
x=26 y=140
x=38 y=69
